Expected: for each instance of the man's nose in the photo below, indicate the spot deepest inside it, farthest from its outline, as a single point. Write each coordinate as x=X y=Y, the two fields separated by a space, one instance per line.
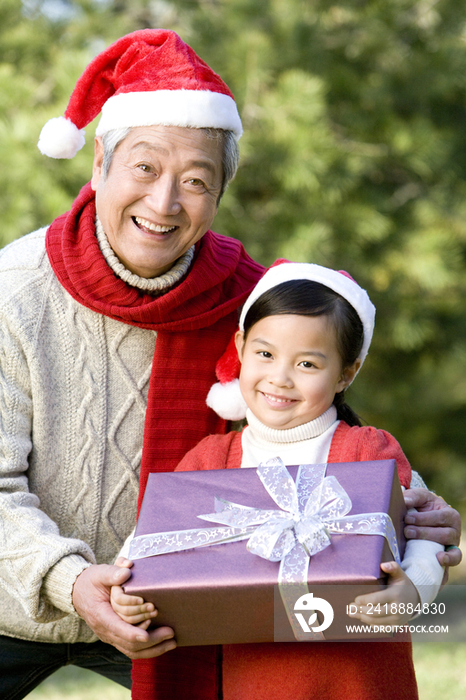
x=163 y=197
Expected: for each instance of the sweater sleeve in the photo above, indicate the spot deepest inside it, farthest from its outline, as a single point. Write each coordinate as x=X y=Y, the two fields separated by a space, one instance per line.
x=420 y=561
x=417 y=482
x=422 y=567
x=38 y=566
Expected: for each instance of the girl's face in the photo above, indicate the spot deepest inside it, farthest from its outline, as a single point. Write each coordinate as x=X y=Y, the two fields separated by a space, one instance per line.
x=291 y=369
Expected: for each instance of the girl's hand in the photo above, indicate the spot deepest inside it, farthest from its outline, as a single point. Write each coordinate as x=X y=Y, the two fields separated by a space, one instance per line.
x=131 y=609
x=389 y=606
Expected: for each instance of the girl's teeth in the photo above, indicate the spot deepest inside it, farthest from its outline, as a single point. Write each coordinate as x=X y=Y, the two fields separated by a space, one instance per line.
x=153 y=227
x=274 y=398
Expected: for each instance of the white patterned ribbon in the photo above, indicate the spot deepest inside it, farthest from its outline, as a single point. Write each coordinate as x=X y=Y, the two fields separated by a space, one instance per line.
x=309 y=510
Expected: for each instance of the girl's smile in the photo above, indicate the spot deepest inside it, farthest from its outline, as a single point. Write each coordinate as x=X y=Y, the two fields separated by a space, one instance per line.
x=278 y=401
x=291 y=369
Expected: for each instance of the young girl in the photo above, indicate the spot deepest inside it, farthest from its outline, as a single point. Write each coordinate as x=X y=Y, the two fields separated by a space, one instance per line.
x=304 y=333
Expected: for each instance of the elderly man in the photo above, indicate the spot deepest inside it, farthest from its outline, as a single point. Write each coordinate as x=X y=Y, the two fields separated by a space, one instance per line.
x=124 y=304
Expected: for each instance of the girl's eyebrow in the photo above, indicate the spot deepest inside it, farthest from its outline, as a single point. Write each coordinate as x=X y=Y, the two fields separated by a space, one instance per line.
x=262 y=341
x=314 y=353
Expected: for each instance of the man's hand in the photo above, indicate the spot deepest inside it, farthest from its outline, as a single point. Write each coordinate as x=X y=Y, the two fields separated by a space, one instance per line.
x=91 y=599
x=434 y=520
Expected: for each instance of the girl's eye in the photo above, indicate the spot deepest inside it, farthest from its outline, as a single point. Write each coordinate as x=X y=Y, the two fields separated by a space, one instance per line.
x=306 y=364
x=265 y=353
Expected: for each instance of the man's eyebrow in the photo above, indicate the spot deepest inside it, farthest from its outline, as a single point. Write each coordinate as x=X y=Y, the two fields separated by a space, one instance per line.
x=150 y=146
x=206 y=164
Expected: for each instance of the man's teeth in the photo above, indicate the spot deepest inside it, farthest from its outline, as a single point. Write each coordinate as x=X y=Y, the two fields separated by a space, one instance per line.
x=153 y=227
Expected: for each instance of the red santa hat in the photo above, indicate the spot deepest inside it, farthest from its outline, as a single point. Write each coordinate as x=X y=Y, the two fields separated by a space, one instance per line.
x=225 y=396
x=146 y=78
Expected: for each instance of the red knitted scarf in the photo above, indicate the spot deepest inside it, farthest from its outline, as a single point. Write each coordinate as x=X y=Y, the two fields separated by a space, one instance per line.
x=194 y=322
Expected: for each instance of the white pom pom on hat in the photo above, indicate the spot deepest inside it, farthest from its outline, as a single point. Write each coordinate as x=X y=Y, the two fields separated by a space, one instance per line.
x=227 y=400
x=60 y=138
x=223 y=396
x=150 y=77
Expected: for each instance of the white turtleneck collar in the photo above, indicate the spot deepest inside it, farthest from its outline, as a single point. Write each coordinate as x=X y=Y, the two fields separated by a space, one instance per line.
x=306 y=431
x=305 y=444
x=153 y=285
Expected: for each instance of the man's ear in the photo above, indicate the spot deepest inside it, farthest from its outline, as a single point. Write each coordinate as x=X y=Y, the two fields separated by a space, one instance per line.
x=97 y=166
x=348 y=375
x=239 y=342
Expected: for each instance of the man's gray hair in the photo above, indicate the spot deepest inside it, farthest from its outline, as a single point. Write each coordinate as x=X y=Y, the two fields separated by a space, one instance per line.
x=230 y=152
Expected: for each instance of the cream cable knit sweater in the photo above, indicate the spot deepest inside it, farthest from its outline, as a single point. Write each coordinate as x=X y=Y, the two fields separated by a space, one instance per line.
x=73 y=392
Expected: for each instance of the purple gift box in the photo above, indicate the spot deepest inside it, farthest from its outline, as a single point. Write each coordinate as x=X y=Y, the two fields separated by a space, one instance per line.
x=223 y=594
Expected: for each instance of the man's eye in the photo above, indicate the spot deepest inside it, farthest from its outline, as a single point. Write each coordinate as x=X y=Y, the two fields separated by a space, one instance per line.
x=144 y=167
x=196 y=182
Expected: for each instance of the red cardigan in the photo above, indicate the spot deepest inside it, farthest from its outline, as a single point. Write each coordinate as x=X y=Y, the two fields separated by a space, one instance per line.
x=348 y=445
x=315 y=670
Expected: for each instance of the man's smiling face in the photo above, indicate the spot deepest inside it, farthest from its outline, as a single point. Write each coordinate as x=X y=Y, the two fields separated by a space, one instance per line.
x=159 y=196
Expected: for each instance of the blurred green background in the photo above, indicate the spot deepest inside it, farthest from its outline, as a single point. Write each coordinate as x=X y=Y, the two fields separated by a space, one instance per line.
x=354 y=157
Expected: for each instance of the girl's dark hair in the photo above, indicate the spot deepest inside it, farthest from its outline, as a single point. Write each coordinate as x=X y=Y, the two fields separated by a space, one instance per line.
x=307 y=298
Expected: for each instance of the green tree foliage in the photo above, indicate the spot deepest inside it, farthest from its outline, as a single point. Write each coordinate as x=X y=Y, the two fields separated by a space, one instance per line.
x=353 y=156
